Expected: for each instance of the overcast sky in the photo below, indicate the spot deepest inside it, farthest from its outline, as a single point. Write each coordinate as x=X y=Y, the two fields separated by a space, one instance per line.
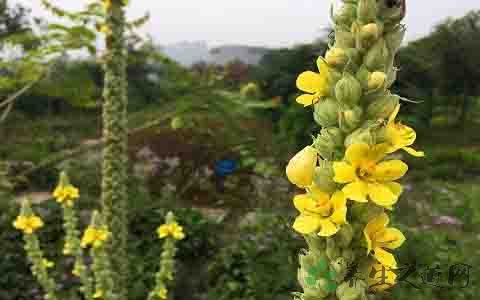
x=273 y=23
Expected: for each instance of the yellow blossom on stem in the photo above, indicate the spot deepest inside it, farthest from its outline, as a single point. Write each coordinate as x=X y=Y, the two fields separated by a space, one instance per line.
x=301 y=168
x=95 y=237
x=173 y=229
x=98 y=294
x=400 y=136
x=320 y=213
x=162 y=293
x=66 y=194
x=366 y=176
x=28 y=224
x=377 y=281
x=315 y=85
x=47 y=264
x=380 y=237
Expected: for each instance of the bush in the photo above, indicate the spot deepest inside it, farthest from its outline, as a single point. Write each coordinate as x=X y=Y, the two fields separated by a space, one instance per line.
x=259 y=264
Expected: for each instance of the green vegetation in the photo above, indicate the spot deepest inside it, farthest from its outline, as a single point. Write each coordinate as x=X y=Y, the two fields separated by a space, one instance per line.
x=182 y=121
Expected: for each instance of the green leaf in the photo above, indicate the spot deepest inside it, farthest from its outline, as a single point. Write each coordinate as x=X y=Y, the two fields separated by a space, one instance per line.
x=313 y=271
x=329 y=275
x=322 y=265
x=331 y=286
x=310 y=280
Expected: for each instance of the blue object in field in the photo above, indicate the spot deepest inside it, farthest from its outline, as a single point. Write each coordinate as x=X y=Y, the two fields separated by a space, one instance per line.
x=225 y=167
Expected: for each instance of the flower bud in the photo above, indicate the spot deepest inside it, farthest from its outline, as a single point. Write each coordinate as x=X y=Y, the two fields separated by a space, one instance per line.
x=301 y=167
x=177 y=123
x=361 y=135
x=362 y=76
x=376 y=80
x=383 y=107
x=348 y=90
x=333 y=252
x=370 y=31
x=328 y=142
x=346 y=15
x=344 y=236
x=326 y=112
x=323 y=177
x=377 y=57
x=344 y=39
x=336 y=57
x=350 y=119
x=394 y=39
x=345 y=292
x=367 y=11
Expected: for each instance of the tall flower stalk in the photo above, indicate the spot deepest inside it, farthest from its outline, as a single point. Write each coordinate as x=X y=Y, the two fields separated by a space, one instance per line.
x=115 y=157
x=350 y=179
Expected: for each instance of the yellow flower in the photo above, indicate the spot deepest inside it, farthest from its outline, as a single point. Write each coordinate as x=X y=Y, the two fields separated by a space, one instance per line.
x=28 y=224
x=94 y=237
x=320 y=213
x=162 y=293
x=316 y=85
x=98 y=294
x=175 y=230
x=379 y=237
x=400 y=136
x=301 y=167
x=66 y=194
x=47 y=264
x=366 y=176
x=378 y=281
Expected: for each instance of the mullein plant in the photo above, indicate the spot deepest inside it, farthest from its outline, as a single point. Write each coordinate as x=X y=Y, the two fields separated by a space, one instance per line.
x=349 y=177
x=105 y=239
x=96 y=278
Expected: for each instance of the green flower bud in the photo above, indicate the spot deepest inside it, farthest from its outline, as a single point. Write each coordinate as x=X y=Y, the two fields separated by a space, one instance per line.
x=357 y=292
x=367 y=11
x=336 y=57
x=376 y=80
x=326 y=112
x=340 y=266
x=348 y=90
x=333 y=252
x=346 y=15
x=370 y=31
x=361 y=135
x=377 y=57
x=350 y=119
x=383 y=107
x=348 y=255
x=354 y=56
x=394 y=39
x=362 y=76
x=344 y=39
x=328 y=142
x=323 y=176
x=314 y=241
x=344 y=236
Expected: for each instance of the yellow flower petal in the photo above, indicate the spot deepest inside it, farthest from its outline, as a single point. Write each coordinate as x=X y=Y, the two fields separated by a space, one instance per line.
x=380 y=283
x=395 y=187
x=339 y=202
x=163 y=231
x=357 y=153
x=390 y=238
x=344 y=172
x=356 y=191
x=376 y=224
x=301 y=167
x=381 y=194
x=310 y=82
x=306 y=224
x=307 y=99
x=414 y=152
x=390 y=170
x=328 y=228
x=385 y=258
x=394 y=114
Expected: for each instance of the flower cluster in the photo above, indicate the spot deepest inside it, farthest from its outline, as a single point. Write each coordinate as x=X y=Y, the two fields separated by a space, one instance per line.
x=94 y=237
x=348 y=173
x=28 y=224
x=172 y=229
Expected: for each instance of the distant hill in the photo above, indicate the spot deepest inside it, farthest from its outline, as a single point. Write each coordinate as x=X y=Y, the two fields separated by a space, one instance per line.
x=187 y=53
